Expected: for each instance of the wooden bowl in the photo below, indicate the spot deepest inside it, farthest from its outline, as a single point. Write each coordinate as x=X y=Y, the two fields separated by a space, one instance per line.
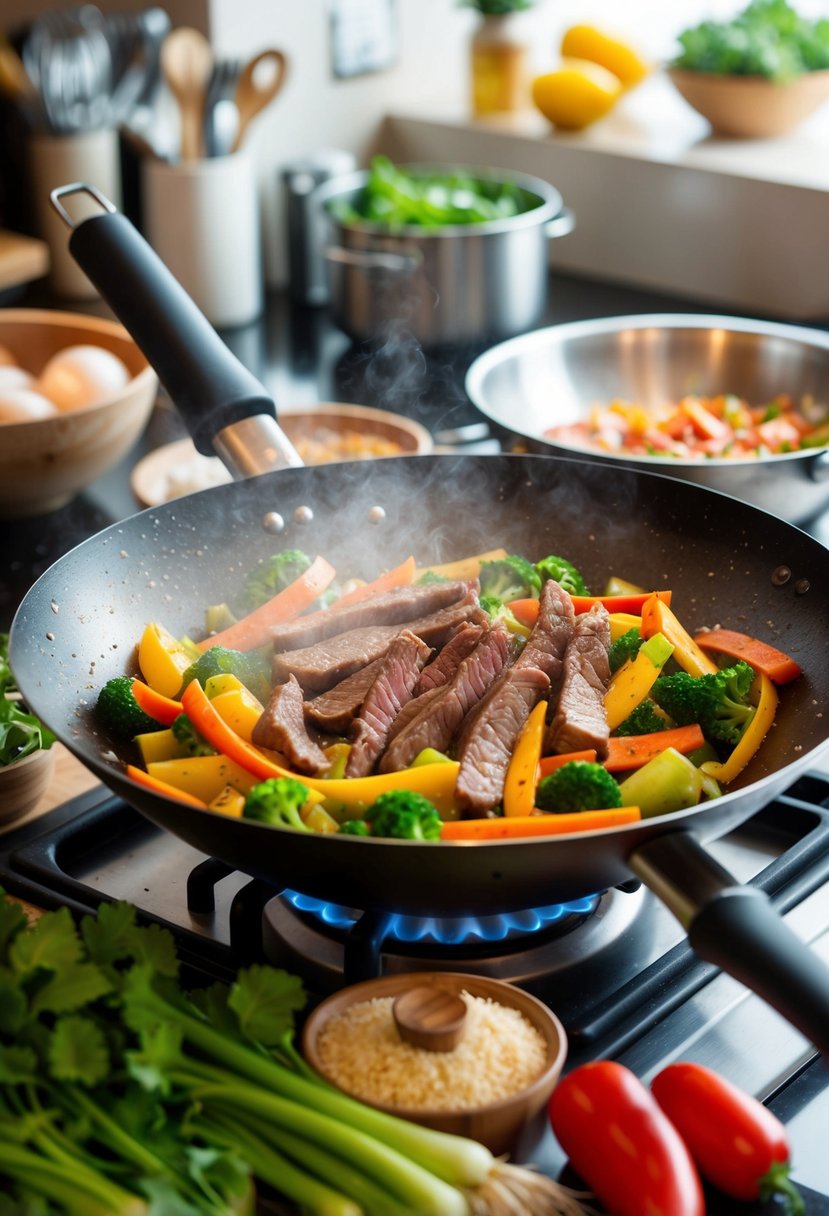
x=45 y=463
x=499 y=1124
x=751 y=107
x=24 y=782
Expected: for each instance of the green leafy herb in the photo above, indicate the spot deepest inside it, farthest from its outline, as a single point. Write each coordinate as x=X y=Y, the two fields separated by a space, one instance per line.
x=768 y=38
x=21 y=733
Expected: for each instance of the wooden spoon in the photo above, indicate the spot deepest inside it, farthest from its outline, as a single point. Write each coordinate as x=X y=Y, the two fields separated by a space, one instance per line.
x=186 y=62
x=430 y=1017
x=256 y=87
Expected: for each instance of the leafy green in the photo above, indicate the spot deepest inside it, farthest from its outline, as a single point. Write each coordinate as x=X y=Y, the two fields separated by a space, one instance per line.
x=396 y=198
x=21 y=733
x=768 y=38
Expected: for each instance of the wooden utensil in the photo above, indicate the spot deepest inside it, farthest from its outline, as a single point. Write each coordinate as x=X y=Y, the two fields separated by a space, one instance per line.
x=186 y=63
x=430 y=1017
x=259 y=82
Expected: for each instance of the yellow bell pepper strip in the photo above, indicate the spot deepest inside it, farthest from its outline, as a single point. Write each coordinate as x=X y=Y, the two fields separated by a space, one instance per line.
x=435 y=781
x=466 y=567
x=657 y=617
x=162 y=709
x=160 y=745
x=522 y=772
x=202 y=776
x=255 y=629
x=140 y=777
x=162 y=659
x=635 y=678
x=623 y=622
x=317 y=819
x=229 y=801
x=752 y=736
x=537 y=825
x=621 y=586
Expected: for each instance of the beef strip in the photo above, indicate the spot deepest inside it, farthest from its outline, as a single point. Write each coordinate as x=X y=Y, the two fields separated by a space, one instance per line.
x=334 y=711
x=448 y=658
x=488 y=740
x=552 y=631
x=579 y=720
x=326 y=663
x=392 y=689
x=391 y=608
x=442 y=714
x=282 y=728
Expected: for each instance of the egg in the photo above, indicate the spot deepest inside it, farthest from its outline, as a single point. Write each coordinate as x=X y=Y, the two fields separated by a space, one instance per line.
x=82 y=375
x=25 y=405
x=14 y=377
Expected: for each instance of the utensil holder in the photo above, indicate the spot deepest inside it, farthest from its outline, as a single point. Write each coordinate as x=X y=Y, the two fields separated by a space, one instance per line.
x=202 y=219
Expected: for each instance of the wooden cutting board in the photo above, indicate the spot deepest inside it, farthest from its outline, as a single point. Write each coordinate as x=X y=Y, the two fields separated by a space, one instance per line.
x=22 y=259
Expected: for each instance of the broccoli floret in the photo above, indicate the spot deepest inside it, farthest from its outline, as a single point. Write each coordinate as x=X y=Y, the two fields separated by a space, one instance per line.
x=251 y=667
x=717 y=701
x=578 y=786
x=273 y=575
x=355 y=827
x=429 y=576
x=405 y=816
x=187 y=735
x=509 y=578
x=118 y=710
x=277 y=801
x=563 y=572
x=643 y=720
x=624 y=648
x=499 y=611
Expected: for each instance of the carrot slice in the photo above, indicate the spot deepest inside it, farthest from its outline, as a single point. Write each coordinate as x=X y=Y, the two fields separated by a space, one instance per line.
x=400 y=576
x=537 y=825
x=632 y=751
x=526 y=610
x=254 y=629
x=774 y=663
x=549 y=764
x=160 y=708
x=162 y=787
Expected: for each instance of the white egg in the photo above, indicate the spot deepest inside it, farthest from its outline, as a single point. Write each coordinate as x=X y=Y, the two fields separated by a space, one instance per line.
x=15 y=377
x=82 y=375
x=24 y=405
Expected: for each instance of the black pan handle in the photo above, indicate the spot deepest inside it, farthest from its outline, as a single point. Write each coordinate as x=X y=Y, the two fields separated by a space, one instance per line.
x=737 y=929
x=212 y=390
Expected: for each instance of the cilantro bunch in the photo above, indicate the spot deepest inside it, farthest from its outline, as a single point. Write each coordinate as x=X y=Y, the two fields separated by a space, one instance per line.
x=20 y=732
x=768 y=38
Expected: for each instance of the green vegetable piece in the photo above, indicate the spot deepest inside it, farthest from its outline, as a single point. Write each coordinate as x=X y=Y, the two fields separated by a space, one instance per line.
x=509 y=578
x=502 y=612
x=624 y=648
x=643 y=720
x=717 y=701
x=190 y=739
x=252 y=668
x=274 y=575
x=669 y=782
x=355 y=827
x=768 y=38
x=404 y=815
x=277 y=801
x=562 y=571
x=119 y=712
x=579 y=785
x=658 y=649
x=430 y=755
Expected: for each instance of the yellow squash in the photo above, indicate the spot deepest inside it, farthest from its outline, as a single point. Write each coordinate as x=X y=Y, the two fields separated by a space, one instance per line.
x=576 y=94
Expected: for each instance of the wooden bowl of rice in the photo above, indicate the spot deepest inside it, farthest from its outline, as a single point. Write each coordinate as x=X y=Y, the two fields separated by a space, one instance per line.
x=490 y=1087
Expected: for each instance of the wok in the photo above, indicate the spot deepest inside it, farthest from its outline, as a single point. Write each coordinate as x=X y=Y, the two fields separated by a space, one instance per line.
x=724 y=560
x=556 y=375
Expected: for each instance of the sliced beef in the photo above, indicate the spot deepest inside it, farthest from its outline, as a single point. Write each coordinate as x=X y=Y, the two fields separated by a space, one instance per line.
x=391 y=608
x=579 y=720
x=390 y=691
x=489 y=736
x=442 y=713
x=326 y=663
x=449 y=657
x=552 y=631
x=282 y=729
x=333 y=711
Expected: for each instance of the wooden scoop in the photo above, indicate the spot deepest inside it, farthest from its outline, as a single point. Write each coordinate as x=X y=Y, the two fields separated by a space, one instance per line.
x=186 y=62
x=430 y=1017
x=259 y=82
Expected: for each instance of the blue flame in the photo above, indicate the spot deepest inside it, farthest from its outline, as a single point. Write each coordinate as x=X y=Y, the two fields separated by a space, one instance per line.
x=450 y=930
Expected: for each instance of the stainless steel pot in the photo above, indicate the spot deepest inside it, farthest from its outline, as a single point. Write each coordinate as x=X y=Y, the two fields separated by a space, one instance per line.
x=555 y=375
x=464 y=283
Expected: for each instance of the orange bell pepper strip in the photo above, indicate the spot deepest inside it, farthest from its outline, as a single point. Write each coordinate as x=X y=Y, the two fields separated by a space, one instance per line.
x=519 y=826
x=549 y=764
x=400 y=576
x=526 y=610
x=774 y=663
x=160 y=708
x=522 y=772
x=751 y=738
x=657 y=617
x=633 y=751
x=254 y=629
x=162 y=787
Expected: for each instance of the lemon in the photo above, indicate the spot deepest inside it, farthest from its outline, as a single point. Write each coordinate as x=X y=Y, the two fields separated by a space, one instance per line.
x=576 y=94
x=588 y=42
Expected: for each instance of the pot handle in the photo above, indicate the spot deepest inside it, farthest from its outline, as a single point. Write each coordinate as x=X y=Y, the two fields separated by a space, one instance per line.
x=737 y=929
x=374 y=259
x=561 y=224
x=225 y=408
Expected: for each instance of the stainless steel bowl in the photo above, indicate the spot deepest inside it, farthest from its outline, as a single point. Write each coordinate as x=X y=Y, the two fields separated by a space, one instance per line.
x=553 y=376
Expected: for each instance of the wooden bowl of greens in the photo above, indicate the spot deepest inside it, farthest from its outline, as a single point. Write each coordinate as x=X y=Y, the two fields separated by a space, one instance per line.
x=27 y=760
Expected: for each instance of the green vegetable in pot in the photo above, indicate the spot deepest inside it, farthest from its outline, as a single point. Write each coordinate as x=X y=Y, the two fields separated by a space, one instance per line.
x=251 y=667
x=669 y=782
x=278 y=801
x=718 y=701
x=579 y=785
x=509 y=578
x=562 y=571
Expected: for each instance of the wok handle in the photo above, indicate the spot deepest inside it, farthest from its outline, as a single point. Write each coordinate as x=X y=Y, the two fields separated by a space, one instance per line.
x=210 y=387
x=737 y=929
